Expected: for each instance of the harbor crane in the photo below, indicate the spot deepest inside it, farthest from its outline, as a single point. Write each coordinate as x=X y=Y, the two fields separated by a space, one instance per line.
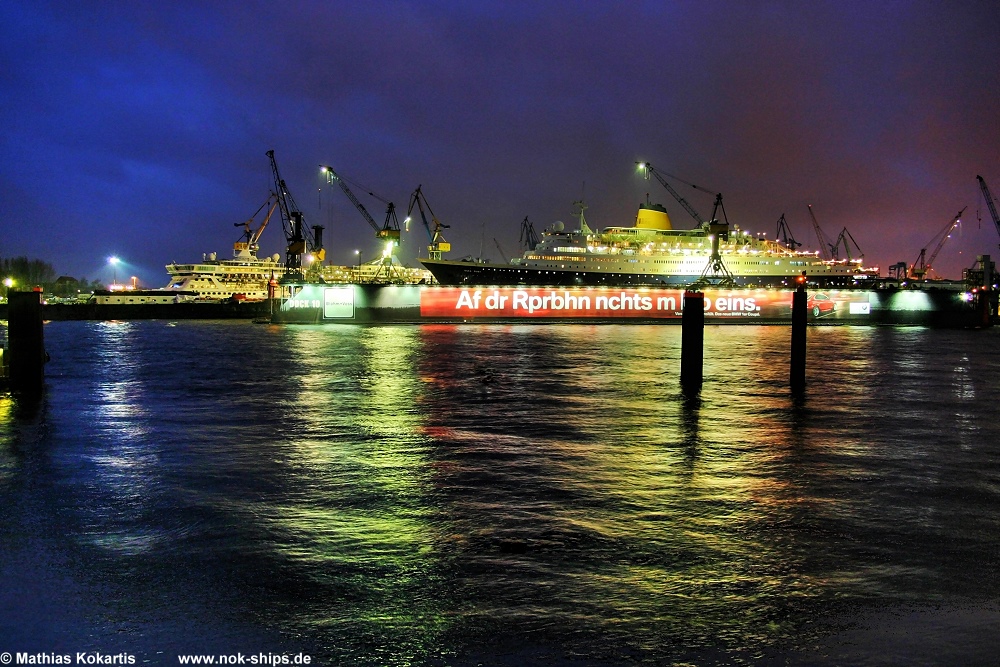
x=990 y=202
x=503 y=255
x=529 y=238
x=924 y=264
x=825 y=247
x=715 y=272
x=251 y=237
x=846 y=240
x=437 y=243
x=388 y=232
x=648 y=169
x=784 y=234
x=300 y=240
x=898 y=271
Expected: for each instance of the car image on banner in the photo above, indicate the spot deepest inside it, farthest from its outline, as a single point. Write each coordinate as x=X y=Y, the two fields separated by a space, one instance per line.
x=820 y=304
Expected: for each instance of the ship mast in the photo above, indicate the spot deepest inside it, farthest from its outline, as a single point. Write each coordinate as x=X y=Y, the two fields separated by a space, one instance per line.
x=581 y=207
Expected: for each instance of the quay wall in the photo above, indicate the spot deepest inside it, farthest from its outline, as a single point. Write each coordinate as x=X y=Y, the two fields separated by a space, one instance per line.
x=151 y=311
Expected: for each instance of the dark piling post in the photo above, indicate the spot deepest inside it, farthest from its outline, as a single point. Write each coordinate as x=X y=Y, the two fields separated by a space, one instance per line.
x=692 y=341
x=25 y=344
x=797 y=375
x=986 y=293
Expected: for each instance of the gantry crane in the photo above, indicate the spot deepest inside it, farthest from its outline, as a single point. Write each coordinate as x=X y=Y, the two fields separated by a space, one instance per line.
x=990 y=202
x=898 y=271
x=300 y=240
x=925 y=264
x=437 y=243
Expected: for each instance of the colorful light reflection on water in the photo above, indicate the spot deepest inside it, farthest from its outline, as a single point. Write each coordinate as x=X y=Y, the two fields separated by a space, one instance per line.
x=448 y=494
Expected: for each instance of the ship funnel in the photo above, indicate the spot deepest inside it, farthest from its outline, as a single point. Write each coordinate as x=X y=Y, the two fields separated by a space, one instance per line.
x=652 y=216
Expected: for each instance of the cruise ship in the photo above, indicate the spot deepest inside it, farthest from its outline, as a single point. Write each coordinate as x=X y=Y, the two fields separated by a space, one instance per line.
x=243 y=277
x=653 y=253
x=246 y=277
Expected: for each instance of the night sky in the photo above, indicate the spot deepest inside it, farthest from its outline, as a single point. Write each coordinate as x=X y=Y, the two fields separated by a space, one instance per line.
x=140 y=129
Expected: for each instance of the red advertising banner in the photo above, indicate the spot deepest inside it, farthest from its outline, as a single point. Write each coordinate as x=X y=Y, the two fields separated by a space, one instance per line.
x=570 y=303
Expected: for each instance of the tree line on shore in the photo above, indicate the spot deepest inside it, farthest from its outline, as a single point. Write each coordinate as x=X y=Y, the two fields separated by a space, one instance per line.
x=28 y=273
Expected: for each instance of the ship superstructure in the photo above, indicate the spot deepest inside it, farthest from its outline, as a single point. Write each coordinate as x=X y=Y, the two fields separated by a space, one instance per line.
x=245 y=276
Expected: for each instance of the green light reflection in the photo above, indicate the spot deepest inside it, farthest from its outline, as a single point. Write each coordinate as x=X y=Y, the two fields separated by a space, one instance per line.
x=357 y=522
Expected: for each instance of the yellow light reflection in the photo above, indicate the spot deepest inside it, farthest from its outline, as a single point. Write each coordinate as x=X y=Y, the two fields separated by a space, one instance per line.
x=8 y=462
x=677 y=500
x=357 y=461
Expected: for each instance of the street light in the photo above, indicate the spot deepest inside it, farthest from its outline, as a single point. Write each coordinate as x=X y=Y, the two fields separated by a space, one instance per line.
x=8 y=283
x=114 y=263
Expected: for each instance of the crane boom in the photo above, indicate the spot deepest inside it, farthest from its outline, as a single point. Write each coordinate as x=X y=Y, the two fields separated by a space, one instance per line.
x=437 y=243
x=389 y=229
x=291 y=221
x=649 y=169
x=252 y=237
x=945 y=236
x=825 y=247
x=260 y=230
x=924 y=263
x=784 y=234
x=529 y=238
x=334 y=177
x=845 y=239
x=503 y=254
x=990 y=202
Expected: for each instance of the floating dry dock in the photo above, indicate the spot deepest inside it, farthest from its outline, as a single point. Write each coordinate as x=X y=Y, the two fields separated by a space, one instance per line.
x=321 y=303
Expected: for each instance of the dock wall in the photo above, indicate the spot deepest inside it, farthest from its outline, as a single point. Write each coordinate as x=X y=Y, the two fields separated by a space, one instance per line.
x=151 y=311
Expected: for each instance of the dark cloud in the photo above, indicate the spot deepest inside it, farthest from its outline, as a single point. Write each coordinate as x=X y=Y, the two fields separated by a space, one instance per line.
x=141 y=131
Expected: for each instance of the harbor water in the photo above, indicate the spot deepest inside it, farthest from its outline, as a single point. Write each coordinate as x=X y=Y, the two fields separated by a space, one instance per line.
x=503 y=495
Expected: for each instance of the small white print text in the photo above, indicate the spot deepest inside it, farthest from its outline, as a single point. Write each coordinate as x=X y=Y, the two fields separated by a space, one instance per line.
x=97 y=658
x=241 y=659
x=85 y=658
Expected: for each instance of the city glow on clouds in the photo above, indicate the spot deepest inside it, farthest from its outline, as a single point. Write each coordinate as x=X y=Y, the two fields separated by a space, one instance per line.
x=142 y=134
